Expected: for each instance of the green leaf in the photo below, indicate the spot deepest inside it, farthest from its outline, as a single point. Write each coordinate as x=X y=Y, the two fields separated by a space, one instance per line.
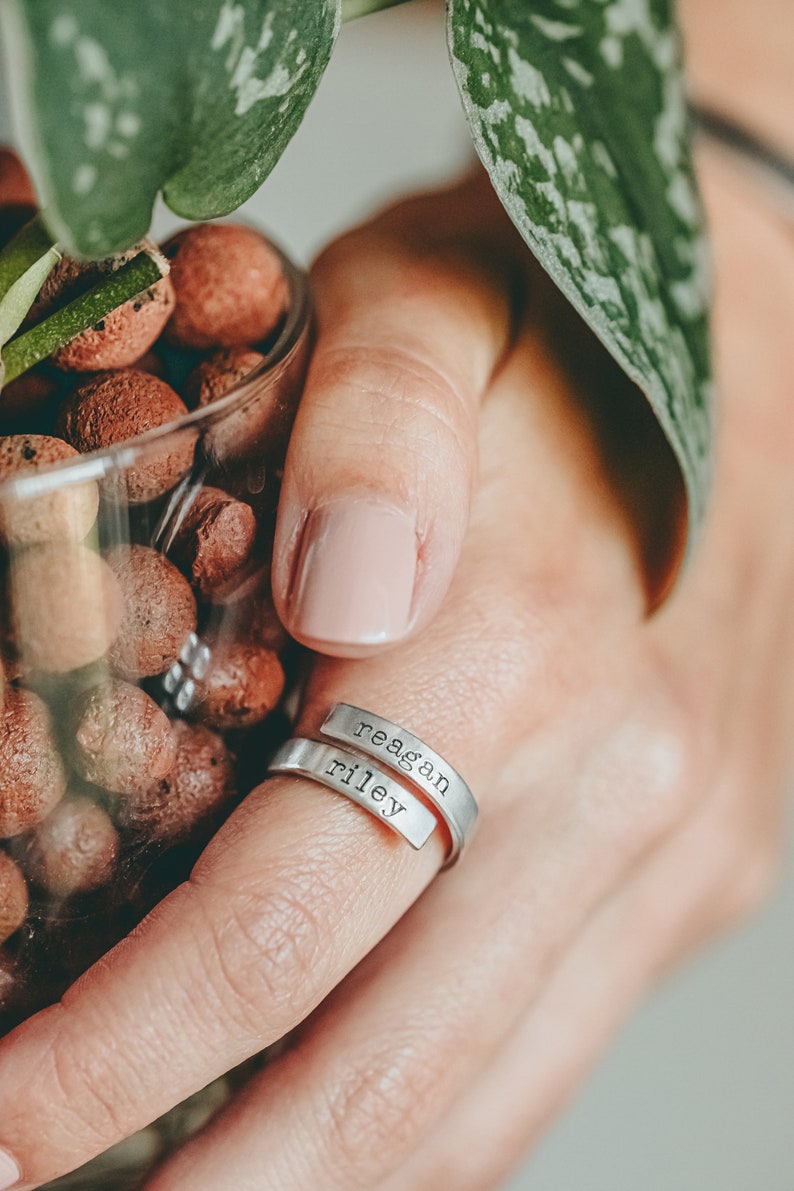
x=197 y=98
x=578 y=112
x=24 y=266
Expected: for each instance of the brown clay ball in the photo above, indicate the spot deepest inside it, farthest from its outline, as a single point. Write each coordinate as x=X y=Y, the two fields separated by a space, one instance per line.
x=115 y=406
x=32 y=780
x=215 y=540
x=159 y=611
x=17 y=195
x=230 y=288
x=13 y=897
x=201 y=781
x=123 y=740
x=124 y=334
x=215 y=377
x=75 y=848
x=16 y=187
x=68 y=512
x=243 y=684
x=259 y=426
x=246 y=612
x=67 y=607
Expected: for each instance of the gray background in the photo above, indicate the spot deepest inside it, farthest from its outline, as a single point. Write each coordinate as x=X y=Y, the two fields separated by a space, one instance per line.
x=698 y=1091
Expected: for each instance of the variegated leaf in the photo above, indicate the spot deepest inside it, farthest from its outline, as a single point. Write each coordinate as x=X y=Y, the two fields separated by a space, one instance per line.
x=197 y=98
x=578 y=112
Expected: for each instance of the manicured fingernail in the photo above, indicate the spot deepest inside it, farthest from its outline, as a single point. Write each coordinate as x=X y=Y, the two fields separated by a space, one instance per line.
x=354 y=579
x=9 y=1171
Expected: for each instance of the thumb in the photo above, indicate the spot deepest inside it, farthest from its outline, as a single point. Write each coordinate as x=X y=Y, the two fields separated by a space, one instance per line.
x=412 y=317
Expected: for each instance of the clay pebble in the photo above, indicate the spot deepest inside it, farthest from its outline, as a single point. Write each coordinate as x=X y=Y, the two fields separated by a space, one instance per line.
x=32 y=779
x=30 y=402
x=229 y=284
x=123 y=335
x=16 y=186
x=14 y=899
x=199 y=784
x=216 y=376
x=17 y=195
x=159 y=611
x=67 y=512
x=260 y=424
x=66 y=607
x=215 y=540
x=75 y=848
x=243 y=684
x=113 y=407
x=122 y=740
x=245 y=611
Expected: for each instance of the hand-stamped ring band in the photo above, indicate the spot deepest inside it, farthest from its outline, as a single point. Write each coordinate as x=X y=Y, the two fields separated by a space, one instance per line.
x=408 y=756
x=361 y=737
x=347 y=772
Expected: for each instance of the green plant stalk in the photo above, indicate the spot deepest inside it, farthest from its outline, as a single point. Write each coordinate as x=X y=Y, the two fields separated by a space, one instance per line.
x=16 y=301
x=61 y=327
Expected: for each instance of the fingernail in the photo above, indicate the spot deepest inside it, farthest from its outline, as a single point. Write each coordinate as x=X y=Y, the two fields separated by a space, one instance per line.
x=354 y=579
x=9 y=1171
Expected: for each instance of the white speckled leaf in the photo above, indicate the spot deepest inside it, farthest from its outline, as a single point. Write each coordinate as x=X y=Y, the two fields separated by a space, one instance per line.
x=577 y=110
x=120 y=100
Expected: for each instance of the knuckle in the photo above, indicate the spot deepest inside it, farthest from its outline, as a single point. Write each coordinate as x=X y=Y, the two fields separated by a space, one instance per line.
x=405 y=396
x=374 y=1111
x=682 y=755
x=266 y=943
x=98 y=1098
x=650 y=771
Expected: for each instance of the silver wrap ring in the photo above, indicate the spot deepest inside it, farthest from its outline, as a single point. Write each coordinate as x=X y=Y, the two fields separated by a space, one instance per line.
x=355 y=750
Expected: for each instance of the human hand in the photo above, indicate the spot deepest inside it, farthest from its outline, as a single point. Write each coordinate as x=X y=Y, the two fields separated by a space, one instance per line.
x=628 y=773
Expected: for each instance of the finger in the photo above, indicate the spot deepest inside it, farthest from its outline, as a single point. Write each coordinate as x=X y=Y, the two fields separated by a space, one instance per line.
x=412 y=320
x=382 y=1061
x=697 y=882
x=378 y=1065
x=229 y=962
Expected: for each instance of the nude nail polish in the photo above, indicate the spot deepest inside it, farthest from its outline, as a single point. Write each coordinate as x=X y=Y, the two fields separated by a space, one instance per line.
x=9 y=1171
x=354 y=579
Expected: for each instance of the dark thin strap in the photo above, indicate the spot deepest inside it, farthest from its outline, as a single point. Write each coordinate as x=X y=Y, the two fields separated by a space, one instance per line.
x=740 y=140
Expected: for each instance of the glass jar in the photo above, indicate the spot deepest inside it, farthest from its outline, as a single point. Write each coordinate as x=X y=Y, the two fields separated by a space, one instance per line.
x=141 y=673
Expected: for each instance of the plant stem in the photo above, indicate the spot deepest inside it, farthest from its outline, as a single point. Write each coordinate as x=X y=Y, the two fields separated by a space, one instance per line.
x=114 y=290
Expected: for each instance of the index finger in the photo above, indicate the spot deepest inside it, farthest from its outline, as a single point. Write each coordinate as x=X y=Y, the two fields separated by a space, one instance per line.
x=228 y=963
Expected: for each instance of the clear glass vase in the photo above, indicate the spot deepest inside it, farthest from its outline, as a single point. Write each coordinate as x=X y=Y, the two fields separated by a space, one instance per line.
x=141 y=671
